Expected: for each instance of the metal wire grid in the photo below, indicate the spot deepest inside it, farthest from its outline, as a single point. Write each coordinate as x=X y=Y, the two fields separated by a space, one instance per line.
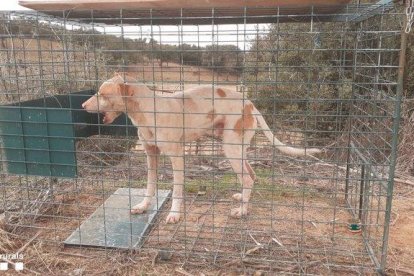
x=316 y=83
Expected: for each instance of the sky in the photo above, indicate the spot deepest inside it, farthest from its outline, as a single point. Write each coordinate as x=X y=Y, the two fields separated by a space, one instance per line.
x=227 y=33
x=7 y=5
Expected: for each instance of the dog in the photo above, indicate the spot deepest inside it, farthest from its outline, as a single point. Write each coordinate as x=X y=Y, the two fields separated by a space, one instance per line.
x=166 y=123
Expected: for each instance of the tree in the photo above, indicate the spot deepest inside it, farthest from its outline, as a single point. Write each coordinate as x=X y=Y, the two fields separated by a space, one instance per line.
x=222 y=58
x=298 y=73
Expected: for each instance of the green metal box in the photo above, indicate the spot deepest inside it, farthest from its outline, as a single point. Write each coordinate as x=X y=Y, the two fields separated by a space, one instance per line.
x=39 y=136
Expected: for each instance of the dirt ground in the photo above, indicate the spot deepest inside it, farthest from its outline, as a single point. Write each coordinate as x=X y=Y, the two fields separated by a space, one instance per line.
x=401 y=240
x=289 y=229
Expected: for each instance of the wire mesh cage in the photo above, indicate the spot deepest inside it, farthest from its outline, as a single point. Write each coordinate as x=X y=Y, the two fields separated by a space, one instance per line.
x=322 y=78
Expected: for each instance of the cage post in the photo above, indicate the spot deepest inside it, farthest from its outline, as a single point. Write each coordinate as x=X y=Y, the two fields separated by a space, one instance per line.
x=361 y=191
x=12 y=61
x=161 y=58
x=394 y=143
x=350 y=119
x=152 y=56
x=65 y=47
x=95 y=55
x=180 y=33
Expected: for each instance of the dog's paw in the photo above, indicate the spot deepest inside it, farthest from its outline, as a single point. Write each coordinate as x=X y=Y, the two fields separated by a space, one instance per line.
x=238 y=212
x=140 y=208
x=237 y=196
x=173 y=217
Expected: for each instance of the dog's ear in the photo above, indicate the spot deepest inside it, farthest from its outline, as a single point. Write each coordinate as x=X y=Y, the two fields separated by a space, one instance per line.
x=125 y=90
x=119 y=75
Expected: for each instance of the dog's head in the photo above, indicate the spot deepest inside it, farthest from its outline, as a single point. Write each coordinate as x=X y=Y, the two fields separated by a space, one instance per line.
x=110 y=100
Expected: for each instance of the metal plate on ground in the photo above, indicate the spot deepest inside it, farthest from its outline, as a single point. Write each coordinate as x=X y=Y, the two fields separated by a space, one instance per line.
x=112 y=225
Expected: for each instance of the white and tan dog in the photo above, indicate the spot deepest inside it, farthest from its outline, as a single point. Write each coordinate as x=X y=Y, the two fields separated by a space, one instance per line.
x=166 y=123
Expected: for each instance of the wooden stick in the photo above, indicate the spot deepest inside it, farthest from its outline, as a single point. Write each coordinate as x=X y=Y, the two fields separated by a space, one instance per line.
x=307 y=265
x=405 y=270
x=278 y=242
x=250 y=251
x=75 y=255
x=99 y=159
x=182 y=271
x=108 y=271
x=2 y=218
x=28 y=242
x=256 y=242
x=404 y=181
x=43 y=261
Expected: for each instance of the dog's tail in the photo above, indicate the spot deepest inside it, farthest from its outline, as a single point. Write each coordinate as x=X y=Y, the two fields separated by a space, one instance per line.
x=280 y=146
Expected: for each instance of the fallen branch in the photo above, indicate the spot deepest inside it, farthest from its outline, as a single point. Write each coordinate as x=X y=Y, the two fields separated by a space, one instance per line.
x=404 y=181
x=109 y=271
x=75 y=255
x=250 y=251
x=306 y=265
x=256 y=242
x=396 y=218
x=323 y=163
x=182 y=271
x=28 y=242
x=43 y=261
x=99 y=159
x=278 y=242
x=406 y=271
x=2 y=219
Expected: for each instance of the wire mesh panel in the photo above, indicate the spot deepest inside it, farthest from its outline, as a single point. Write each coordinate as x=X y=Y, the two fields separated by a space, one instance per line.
x=324 y=80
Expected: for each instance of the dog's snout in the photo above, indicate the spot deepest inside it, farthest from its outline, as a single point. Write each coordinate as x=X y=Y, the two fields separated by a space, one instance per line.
x=87 y=105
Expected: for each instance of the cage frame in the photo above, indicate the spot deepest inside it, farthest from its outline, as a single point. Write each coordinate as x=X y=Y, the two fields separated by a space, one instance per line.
x=382 y=6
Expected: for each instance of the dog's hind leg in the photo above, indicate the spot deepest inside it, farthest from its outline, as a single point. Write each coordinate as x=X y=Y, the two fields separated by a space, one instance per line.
x=236 y=153
x=152 y=162
x=246 y=169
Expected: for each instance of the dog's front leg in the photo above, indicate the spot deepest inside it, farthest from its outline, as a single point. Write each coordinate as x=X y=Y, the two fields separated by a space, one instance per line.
x=152 y=163
x=177 y=197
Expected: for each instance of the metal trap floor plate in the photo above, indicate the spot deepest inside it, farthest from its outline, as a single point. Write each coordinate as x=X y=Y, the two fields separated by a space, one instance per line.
x=112 y=225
